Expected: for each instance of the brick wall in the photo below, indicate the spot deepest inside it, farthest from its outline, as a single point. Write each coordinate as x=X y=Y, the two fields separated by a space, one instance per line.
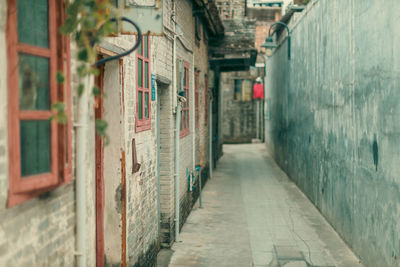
x=262 y=28
x=141 y=187
x=231 y=9
x=186 y=143
x=185 y=48
x=167 y=14
x=167 y=192
x=239 y=119
x=41 y=231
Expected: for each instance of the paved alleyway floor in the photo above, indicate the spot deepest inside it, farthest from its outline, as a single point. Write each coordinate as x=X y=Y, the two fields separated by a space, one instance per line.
x=253 y=215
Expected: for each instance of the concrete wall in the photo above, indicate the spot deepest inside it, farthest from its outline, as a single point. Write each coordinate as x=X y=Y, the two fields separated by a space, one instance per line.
x=334 y=124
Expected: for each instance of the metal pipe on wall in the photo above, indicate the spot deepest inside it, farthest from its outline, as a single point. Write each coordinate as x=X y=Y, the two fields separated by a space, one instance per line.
x=81 y=139
x=177 y=176
x=258 y=119
x=210 y=137
x=194 y=119
x=200 y=197
x=176 y=105
x=158 y=161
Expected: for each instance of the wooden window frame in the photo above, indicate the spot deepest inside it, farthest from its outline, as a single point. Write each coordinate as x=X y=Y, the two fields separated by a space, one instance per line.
x=144 y=123
x=21 y=188
x=186 y=106
x=196 y=98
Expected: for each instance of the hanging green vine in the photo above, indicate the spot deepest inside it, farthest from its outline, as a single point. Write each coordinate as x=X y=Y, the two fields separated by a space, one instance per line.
x=87 y=23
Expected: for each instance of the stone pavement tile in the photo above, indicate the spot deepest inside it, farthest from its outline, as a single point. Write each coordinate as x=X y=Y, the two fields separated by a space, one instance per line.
x=313 y=245
x=283 y=234
x=284 y=242
x=189 y=260
x=253 y=215
x=262 y=258
x=288 y=253
x=262 y=245
x=164 y=257
x=295 y=264
x=307 y=234
x=322 y=259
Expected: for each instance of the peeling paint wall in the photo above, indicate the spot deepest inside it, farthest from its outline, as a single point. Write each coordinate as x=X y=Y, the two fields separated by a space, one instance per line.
x=112 y=163
x=141 y=187
x=334 y=124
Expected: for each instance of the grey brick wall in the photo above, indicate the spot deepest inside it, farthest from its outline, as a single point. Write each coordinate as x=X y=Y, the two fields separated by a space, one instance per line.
x=239 y=119
x=186 y=143
x=231 y=9
x=167 y=14
x=186 y=22
x=41 y=231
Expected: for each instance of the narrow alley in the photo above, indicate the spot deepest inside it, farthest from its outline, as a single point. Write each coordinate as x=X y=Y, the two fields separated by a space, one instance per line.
x=207 y=133
x=253 y=215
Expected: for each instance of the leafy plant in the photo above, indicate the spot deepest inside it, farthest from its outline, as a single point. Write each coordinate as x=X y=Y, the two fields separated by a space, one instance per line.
x=87 y=23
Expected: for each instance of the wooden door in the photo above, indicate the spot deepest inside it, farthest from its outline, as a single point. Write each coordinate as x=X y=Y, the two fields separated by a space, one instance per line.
x=100 y=193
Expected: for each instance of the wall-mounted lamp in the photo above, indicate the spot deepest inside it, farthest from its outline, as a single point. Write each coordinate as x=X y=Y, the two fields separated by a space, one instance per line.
x=270 y=43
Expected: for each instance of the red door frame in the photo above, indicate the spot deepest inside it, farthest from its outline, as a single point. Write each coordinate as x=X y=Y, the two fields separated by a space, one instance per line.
x=100 y=189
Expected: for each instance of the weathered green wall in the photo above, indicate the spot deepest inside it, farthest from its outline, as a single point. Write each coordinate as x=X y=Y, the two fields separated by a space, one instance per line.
x=335 y=119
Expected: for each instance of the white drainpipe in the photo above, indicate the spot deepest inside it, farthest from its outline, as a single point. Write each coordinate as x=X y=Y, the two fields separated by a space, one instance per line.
x=193 y=121
x=258 y=119
x=210 y=135
x=176 y=105
x=177 y=177
x=81 y=169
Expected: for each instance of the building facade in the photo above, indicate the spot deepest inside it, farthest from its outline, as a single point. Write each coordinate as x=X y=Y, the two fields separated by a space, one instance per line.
x=130 y=180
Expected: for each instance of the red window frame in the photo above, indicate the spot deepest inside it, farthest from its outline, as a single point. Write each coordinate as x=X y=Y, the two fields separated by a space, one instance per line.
x=143 y=124
x=196 y=97
x=205 y=99
x=185 y=111
x=24 y=188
